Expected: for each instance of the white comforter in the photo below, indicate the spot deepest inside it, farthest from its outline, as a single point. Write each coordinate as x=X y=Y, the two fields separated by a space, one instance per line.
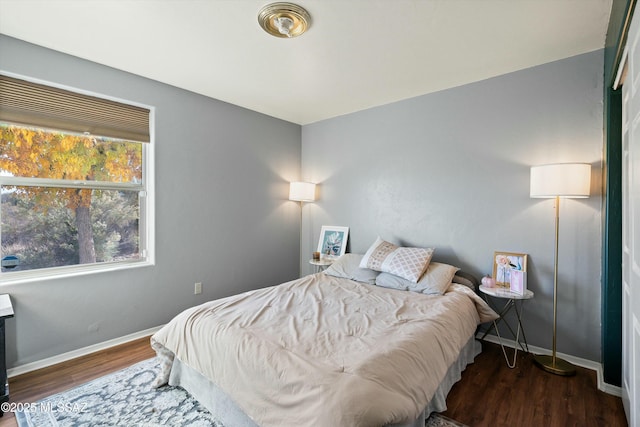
x=324 y=351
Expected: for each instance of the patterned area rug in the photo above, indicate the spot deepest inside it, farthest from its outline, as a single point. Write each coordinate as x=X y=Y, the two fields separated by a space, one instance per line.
x=437 y=420
x=126 y=398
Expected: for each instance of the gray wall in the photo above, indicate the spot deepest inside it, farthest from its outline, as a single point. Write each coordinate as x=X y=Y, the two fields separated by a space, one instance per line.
x=222 y=214
x=451 y=170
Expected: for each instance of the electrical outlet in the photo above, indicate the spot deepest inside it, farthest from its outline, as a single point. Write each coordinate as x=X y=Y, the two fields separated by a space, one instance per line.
x=197 y=289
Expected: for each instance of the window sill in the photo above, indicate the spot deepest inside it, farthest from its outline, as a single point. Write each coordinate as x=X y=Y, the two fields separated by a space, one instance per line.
x=64 y=272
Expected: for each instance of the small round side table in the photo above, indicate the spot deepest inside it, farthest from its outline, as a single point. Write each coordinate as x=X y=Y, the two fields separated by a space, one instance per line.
x=512 y=300
x=321 y=264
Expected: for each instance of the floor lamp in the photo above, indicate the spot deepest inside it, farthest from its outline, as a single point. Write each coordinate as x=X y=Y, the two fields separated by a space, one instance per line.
x=560 y=180
x=302 y=192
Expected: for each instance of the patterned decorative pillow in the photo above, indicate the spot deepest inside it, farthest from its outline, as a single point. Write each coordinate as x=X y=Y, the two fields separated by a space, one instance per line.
x=408 y=263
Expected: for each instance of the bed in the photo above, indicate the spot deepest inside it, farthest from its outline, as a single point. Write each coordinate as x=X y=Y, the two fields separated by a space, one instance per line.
x=336 y=348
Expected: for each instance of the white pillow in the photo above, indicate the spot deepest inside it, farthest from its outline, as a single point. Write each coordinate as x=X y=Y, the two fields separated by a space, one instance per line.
x=347 y=266
x=435 y=281
x=408 y=263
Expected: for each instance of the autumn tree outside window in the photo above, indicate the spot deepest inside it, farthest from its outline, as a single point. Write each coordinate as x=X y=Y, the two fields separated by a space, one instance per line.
x=72 y=199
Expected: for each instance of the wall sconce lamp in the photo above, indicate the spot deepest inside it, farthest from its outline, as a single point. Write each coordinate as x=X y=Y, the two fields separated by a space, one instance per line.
x=560 y=180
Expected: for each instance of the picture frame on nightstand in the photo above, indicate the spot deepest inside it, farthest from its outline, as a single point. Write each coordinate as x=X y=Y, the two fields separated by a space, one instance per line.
x=518 y=282
x=333 y=241
x=504 y=263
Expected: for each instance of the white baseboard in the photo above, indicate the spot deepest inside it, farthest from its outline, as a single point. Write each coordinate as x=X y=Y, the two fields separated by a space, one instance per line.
x=49 y=361
x=578 y=361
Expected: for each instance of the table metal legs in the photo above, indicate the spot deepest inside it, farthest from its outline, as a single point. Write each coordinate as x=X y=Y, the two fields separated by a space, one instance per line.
x=511 y=303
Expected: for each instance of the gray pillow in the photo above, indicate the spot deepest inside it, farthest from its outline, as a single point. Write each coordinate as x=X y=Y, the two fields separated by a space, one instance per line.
x=391 y=281
x=435 y=280
x=348 y=267
x=464 y=278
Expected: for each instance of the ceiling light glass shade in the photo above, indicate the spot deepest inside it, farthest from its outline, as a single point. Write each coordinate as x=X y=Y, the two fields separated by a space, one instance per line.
x=302 y=191
x=567 y=180
x=284 y=20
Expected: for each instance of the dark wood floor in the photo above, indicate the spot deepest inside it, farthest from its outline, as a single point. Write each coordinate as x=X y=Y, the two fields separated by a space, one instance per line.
x=489 y=394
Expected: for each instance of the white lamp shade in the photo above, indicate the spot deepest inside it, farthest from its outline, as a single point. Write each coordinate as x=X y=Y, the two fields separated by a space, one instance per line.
x=302 y=191
x=568 y=180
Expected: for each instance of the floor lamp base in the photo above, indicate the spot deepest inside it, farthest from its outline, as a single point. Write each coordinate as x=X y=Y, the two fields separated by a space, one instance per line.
x=558 y=367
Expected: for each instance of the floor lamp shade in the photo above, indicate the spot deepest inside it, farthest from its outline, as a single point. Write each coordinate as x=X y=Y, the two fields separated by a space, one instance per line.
x=560 y=180
x=302 y=191
x=566 y=180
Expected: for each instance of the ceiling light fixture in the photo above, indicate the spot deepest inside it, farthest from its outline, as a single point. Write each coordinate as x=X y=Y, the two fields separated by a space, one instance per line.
x=285 y=20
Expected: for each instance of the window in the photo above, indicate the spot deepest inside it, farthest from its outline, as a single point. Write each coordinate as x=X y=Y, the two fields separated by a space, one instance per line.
x=71 y=200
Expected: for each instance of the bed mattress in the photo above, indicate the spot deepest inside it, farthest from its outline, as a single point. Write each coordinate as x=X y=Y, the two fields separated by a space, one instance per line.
x=326 y=351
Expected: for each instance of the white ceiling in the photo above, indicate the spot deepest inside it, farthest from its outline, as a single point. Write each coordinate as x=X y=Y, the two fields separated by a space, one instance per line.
x=356 y=55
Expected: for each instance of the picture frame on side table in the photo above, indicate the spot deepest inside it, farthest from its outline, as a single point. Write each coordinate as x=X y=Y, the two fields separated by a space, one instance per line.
x=506 y=262
x=518 y=282
x=333 y=241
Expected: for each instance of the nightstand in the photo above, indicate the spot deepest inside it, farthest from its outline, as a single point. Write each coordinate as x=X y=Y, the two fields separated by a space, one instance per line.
x=321 y=264
x=514 y=301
